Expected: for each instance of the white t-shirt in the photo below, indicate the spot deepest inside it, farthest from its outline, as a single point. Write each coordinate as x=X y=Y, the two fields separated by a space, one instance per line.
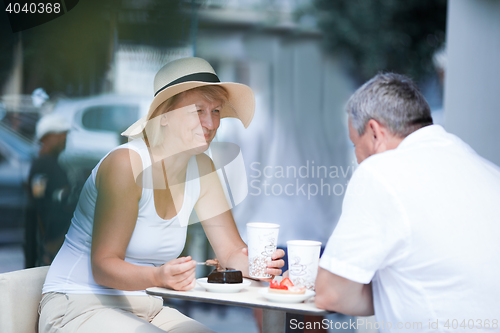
x=422 y=222
x=154 y=241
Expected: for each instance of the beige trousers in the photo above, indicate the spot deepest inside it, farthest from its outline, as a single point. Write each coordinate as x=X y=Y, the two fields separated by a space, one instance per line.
x=72 y=313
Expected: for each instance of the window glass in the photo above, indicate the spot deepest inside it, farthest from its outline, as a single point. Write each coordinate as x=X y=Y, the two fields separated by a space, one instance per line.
x=4 y=152
x=115 y=118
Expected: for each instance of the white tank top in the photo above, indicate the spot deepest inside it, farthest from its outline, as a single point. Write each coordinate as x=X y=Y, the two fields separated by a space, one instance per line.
x=154 y=241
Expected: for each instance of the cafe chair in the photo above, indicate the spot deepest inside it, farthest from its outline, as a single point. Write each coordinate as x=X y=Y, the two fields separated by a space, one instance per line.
x=20 y=294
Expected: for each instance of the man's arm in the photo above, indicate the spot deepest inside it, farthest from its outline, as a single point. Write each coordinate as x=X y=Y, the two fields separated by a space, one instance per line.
x=335 y=293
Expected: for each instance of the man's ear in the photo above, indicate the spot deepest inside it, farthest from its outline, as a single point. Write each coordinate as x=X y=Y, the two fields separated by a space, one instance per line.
x=378 y=134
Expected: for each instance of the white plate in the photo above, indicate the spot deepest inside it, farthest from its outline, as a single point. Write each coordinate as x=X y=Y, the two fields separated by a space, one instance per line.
x=223 y=287
x=286 y=298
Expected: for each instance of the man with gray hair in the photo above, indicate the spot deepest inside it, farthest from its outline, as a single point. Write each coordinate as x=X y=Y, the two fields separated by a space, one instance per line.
x=417 y=242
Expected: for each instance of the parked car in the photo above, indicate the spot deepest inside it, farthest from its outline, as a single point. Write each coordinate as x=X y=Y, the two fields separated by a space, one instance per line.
x=96 y=126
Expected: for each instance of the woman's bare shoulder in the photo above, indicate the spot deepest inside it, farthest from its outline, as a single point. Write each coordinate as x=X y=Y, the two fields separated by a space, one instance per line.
x=121 y=166
x=205 y=164
x=123 y=155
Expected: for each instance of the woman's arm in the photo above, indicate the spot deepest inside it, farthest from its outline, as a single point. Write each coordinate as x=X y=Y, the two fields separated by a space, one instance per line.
x=217 y=220
x=115 y=217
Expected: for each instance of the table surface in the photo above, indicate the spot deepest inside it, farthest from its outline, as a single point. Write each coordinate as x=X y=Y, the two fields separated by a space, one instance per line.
x=247 y=297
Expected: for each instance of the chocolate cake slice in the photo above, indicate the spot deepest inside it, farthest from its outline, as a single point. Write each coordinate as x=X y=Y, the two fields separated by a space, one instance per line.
x=228 y=275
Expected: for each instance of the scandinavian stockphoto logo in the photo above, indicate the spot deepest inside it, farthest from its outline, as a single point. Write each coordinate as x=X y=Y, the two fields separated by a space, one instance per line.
x=28 y=14
x=307 y=180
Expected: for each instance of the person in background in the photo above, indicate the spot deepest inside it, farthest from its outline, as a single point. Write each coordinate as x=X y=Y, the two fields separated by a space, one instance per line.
x=49 y=212
x=417 y=241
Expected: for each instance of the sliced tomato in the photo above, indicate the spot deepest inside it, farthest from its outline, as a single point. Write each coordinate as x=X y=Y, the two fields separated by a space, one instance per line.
x=276 y=285
x=286 y=282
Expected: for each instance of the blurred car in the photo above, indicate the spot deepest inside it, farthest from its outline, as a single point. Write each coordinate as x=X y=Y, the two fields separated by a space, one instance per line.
x=96 y=126
x=16 y=153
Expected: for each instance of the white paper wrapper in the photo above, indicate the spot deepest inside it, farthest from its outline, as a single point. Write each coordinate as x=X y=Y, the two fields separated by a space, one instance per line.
x=303 y=260
x=262 y=242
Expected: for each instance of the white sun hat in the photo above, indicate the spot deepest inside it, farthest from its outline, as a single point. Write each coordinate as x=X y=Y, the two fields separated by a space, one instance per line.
x=188 y=73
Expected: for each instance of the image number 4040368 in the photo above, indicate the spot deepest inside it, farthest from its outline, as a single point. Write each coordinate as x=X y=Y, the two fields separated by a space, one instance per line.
x=28 y=14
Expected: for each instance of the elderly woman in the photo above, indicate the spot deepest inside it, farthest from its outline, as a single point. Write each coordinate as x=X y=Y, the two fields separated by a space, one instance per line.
x=130 y=223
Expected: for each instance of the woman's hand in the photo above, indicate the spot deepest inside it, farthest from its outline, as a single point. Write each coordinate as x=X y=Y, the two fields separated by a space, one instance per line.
x=273 y=266
x=177 y=274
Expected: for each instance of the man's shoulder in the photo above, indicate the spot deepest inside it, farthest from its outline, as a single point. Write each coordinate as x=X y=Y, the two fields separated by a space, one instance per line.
x=418 y=149
x=387 y=160
x=393 y=168
x=426 y=158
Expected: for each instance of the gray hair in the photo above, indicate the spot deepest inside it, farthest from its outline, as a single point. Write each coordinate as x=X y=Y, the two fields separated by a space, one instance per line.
x=393 y=100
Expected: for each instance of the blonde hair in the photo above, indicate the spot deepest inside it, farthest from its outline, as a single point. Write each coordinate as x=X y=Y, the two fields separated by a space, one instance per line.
x=154 y=134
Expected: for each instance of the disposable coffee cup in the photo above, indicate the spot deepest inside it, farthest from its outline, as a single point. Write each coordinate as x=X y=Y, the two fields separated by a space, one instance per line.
x=303 y=261
x=262 y=242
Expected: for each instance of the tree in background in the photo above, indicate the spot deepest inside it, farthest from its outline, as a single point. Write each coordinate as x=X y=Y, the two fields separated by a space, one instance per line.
x=8 y=40
x=73 y=53
x=384 y=35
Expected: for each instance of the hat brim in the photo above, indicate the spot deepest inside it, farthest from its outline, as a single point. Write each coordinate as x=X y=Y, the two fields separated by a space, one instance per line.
x=240 y=104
